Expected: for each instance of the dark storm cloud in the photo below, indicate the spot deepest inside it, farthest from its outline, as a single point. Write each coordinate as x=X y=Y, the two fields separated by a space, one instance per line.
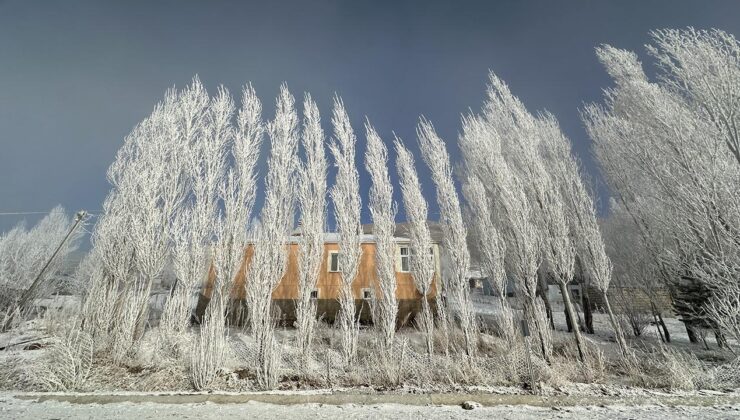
x=76 y=76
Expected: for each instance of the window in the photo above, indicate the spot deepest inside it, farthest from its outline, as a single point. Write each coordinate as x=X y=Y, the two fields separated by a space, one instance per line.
x=315 y=294
x=575 y=291
x=405 y=255
x=367 y=293
x=333 y=262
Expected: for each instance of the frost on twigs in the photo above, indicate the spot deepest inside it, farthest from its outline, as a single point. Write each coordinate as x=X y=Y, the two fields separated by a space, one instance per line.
x=670 y=151
x=383 y=211
x=312 y=204
x=66 y=364
x=454 y=241
x=345 y=195
x=422 y=263
x=24 y=253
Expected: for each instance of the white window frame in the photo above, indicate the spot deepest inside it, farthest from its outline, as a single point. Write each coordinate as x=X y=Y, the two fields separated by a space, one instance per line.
x=369 y=291
x=318 y=294
x=403 y=256
x=331 y=256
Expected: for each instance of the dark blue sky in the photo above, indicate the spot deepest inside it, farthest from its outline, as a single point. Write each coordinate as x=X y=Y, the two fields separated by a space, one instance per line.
x=76 y=76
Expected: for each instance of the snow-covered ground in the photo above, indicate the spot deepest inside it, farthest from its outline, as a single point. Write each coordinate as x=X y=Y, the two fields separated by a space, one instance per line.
x=606 y=400
x=12 y=407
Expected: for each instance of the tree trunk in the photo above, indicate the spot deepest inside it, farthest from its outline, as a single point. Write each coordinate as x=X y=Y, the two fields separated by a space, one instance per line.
x=543 y=288
x=588 y=313
x=721 y=340
x=618 y=333
x=142 y=319
x=657 y=327
x=570 y=313
x=529 y=310
x=443 y=321
x=427 y=323
x=665 y=329
x=568 y=323
x=690 y=333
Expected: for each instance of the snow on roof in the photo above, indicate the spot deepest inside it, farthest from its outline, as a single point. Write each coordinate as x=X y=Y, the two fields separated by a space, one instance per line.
x=333 y=237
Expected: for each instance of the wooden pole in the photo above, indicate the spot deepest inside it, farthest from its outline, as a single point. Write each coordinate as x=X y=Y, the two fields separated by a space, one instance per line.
x=28 y=294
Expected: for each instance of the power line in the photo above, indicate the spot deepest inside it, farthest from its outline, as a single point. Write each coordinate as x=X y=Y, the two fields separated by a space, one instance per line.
x=24 y=213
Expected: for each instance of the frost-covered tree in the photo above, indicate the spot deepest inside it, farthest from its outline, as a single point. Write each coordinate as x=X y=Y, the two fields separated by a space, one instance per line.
x=526 y=137
x=581 y=214
x=669 y=149
x=151 y=181
x=148 y=187
x=270 y=259
x=383 y=211
x=24 y=253
x=194 y=227
x=114 y=251
x=345 y=195
x=156 y=186
x=312 y=204
x=481 y=143
x=557 y=248
x=236 y=192
x=422 y=266
x=492 y=248
x=454 y=242
x=633 y=269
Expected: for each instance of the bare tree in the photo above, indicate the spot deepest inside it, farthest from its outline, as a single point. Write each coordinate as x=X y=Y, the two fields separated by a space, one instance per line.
x=208 y=352
x=581 y=215
x=492 y=248
x=148 y=187
x=634 y=270
x=670 y=152
x=422 y=267
x=194 y=227
x=347 y=206
x=158 y=184
x=383 y=211
x=516 y=218
x=237 y=193
x=455 y=234
x=25 y=253
x=312 y=202
x=113 y=248
x=270 y=258
x=526 y=136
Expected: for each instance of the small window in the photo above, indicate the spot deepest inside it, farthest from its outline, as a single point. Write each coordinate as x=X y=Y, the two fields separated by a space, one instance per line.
x=315 y=294
x=367 y=294
x=333 y=262
x=575 y=291
x=405 y=255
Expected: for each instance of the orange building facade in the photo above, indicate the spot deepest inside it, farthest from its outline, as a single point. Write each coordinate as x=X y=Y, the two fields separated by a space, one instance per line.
x=364 y=287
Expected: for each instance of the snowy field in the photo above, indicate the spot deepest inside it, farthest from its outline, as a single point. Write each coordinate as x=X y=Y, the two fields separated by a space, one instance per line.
x=128 y=395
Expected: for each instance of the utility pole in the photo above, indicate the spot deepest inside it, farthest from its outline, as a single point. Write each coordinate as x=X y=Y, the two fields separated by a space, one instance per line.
x=28 y=294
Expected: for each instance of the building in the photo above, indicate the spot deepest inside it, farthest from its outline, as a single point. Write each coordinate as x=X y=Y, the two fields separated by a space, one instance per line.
x=364 y=287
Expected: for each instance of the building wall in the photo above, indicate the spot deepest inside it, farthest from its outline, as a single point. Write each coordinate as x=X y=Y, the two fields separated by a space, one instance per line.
x=635 y=297
x=329 y=283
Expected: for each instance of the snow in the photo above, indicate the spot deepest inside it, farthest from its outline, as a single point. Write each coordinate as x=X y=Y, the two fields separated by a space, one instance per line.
x=15 y=407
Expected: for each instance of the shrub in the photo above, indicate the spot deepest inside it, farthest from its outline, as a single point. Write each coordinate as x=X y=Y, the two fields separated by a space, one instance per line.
x=67 y=363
